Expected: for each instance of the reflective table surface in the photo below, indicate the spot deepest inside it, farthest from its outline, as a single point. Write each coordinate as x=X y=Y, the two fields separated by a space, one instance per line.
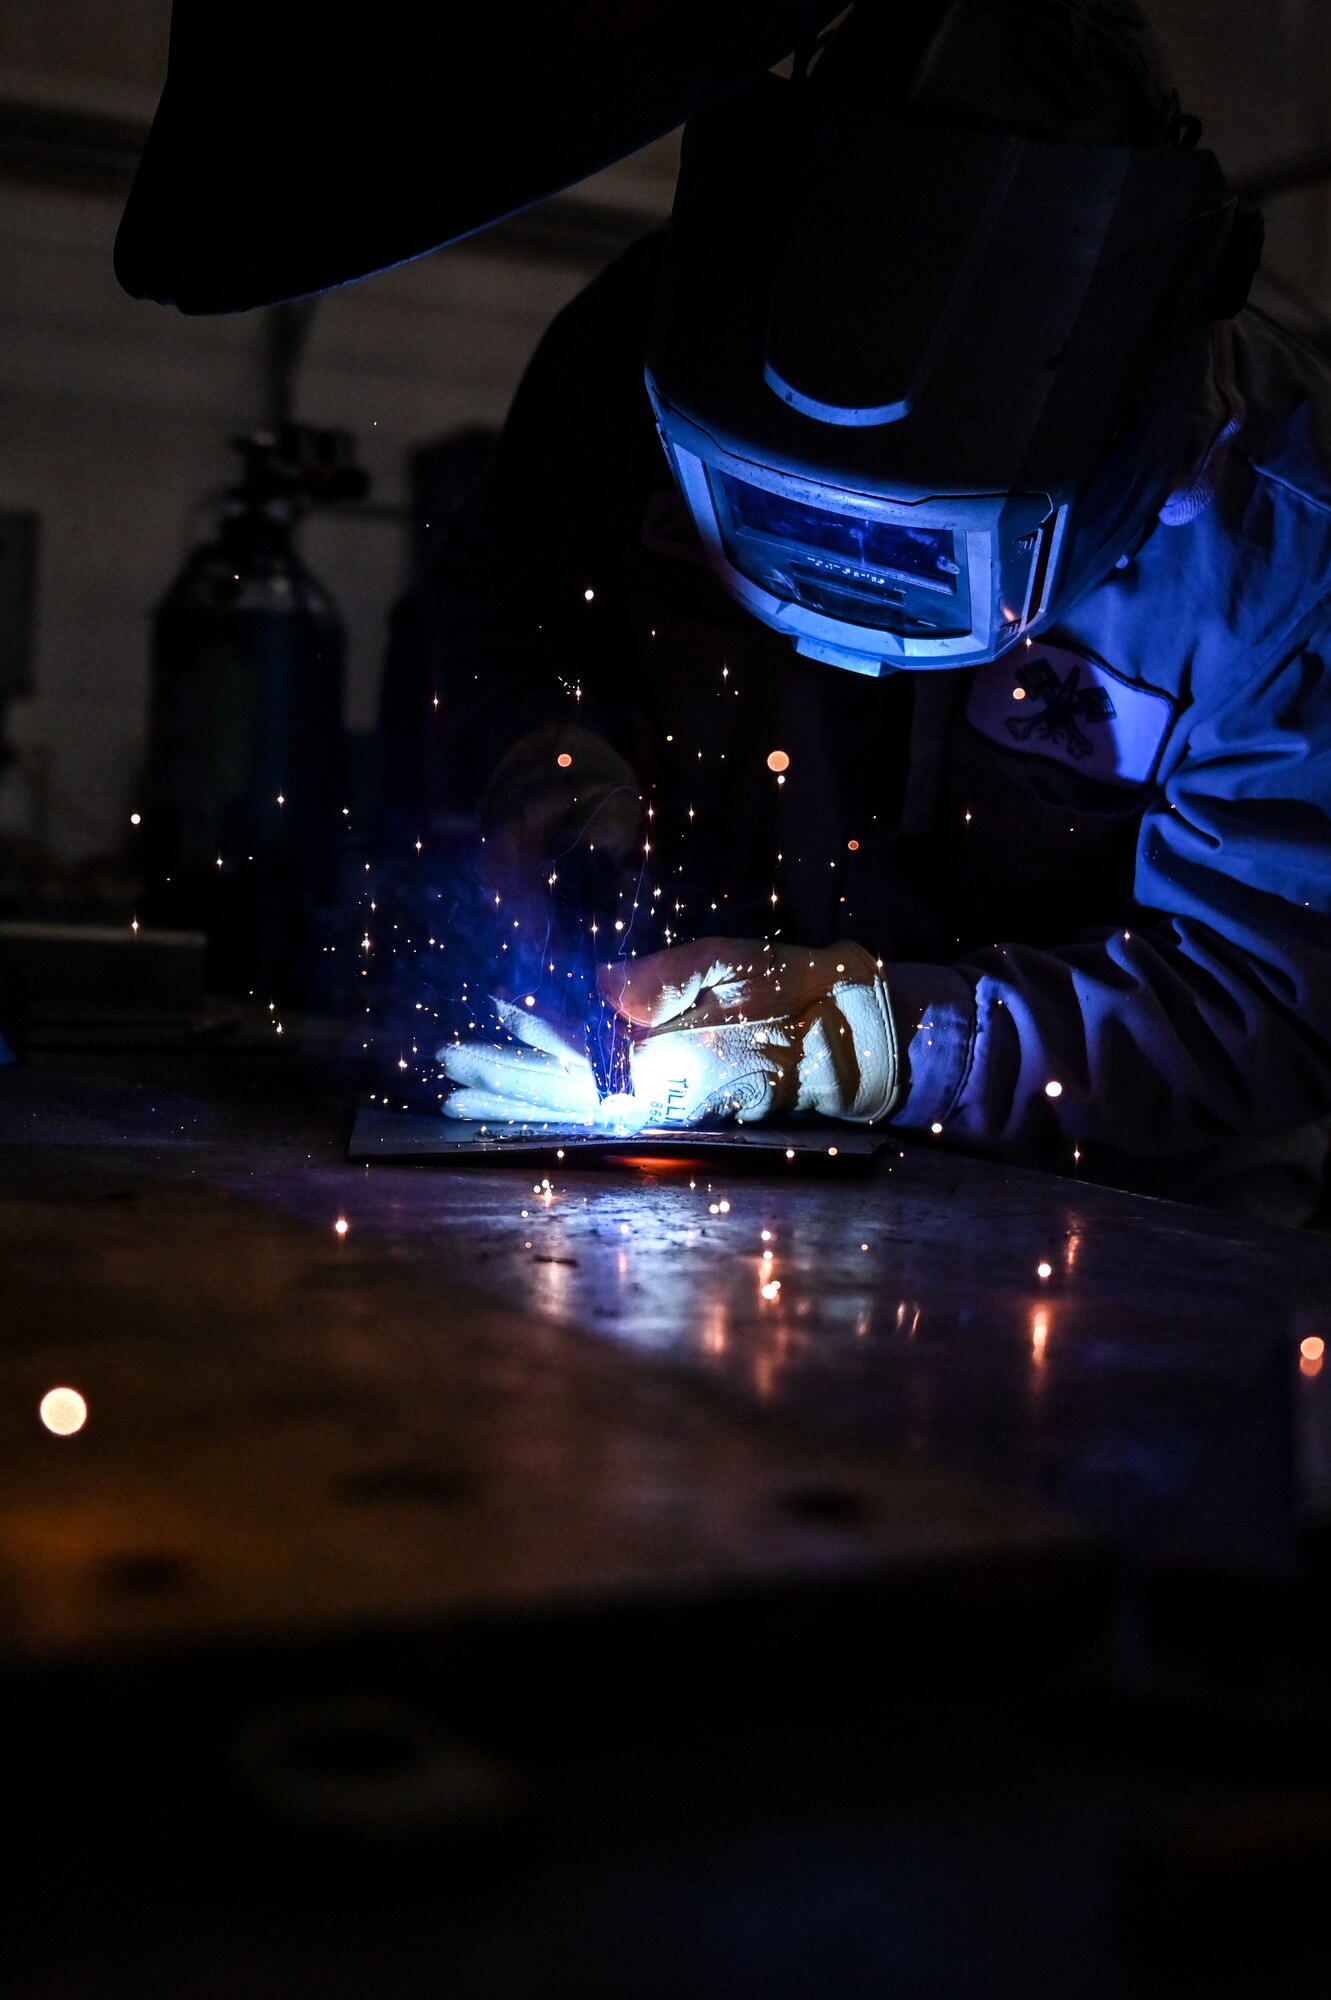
x=1149 y=1367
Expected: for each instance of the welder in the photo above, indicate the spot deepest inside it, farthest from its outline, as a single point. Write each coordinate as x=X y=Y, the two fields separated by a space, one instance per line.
x=897 y=604
x=921 y=537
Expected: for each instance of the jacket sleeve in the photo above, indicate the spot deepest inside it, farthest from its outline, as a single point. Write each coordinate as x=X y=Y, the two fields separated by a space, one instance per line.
x=518 y=620
x=1207 y=1016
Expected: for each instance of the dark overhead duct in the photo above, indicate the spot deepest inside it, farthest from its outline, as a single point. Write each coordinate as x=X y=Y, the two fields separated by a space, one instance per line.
x=301 y=146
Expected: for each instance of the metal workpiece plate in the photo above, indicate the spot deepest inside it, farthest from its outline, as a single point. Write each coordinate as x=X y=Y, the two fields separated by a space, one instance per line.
x=384 y=1135
x=289 y=1433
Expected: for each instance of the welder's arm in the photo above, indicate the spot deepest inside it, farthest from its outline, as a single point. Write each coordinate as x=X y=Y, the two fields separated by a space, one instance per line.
x=517 y=622
x=1207 y=1015
x=557 y=790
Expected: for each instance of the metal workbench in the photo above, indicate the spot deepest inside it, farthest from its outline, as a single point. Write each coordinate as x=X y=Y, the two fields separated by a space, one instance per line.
x=637 y=1578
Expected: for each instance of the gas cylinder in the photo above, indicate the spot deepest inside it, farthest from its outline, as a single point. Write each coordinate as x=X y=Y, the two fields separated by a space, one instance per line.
x=242 y=816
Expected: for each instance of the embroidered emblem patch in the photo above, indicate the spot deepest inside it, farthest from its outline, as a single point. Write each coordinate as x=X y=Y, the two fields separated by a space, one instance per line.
x=1052 y=702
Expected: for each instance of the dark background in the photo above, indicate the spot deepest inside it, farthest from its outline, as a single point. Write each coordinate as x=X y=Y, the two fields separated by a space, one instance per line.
x=115 y=416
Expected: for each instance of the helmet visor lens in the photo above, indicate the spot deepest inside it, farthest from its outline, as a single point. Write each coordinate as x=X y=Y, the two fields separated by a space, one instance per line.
x=882 y=573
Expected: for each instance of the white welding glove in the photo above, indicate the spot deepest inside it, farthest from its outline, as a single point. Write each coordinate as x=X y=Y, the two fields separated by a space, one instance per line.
x=788 y=1027
x=724 y=1028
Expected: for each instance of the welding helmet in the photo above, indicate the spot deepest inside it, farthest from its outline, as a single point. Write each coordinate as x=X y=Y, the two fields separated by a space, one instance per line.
x=923 y=377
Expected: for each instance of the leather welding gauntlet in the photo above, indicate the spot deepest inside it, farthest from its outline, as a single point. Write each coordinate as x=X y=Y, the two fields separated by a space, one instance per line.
x=721 y=1029
x=737 y=1027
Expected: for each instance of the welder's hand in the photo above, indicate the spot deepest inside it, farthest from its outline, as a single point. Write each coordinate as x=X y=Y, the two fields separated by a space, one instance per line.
x=789 y=1028
x=724 y=1028
x=533 y=1075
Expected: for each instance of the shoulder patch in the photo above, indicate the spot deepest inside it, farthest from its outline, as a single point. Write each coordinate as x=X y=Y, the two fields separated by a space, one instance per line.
x=1052 y=702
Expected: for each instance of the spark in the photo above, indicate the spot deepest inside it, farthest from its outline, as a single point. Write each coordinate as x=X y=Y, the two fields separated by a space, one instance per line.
x=341 y=1226
x=772 y=1289
x=1018 y=694
x=563 y=760
x=1039 y=1333
x=589 y=594
x=936 y=1127
x=853 y=846
x=1053 y=1089
x=134 y=925
x=1044 y=1269
x=778 y=760
x=136 y=819
x=63 y=1411
x=1313 y=1348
